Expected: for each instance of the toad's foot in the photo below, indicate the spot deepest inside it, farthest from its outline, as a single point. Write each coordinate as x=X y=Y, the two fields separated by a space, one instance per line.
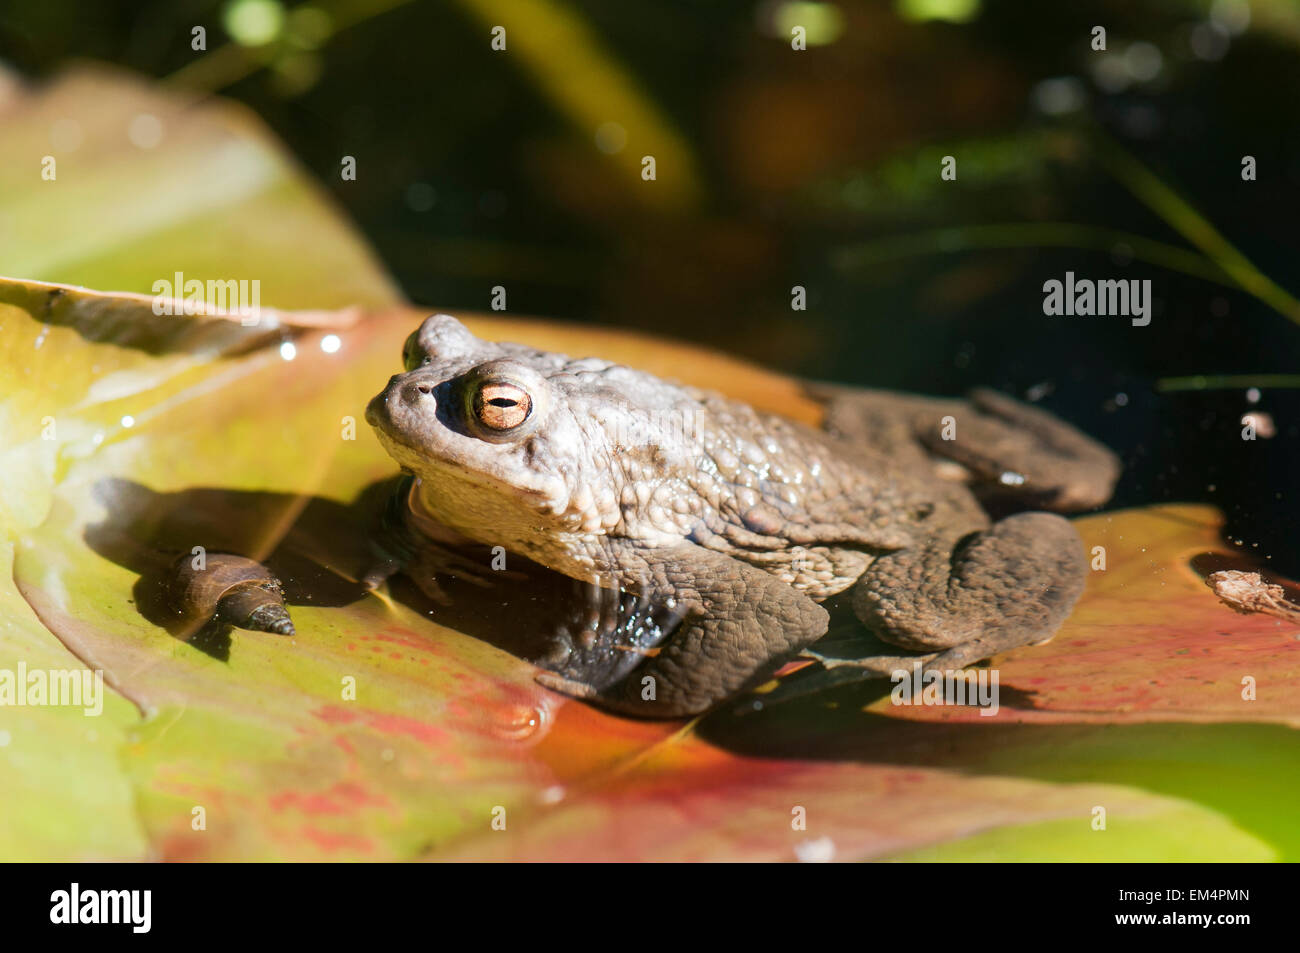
x=882 y=666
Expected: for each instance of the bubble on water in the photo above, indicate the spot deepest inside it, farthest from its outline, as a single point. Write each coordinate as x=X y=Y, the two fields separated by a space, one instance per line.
x=1261 y=422
x=520 y=722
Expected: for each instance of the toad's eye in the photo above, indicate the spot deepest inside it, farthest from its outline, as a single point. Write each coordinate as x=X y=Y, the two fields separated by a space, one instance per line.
x=501 y=405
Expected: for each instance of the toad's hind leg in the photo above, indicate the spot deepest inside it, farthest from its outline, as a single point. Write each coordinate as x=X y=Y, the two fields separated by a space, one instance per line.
x=996 y=589
x=1008 y=450
x=1022 y=451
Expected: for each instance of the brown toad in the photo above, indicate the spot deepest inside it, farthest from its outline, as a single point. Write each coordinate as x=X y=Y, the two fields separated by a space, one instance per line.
x=743 y=521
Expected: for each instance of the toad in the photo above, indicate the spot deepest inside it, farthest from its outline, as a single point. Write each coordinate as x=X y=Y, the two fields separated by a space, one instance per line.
x=743 y=522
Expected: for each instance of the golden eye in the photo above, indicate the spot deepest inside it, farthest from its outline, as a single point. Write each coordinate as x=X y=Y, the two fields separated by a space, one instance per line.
x=499 y=405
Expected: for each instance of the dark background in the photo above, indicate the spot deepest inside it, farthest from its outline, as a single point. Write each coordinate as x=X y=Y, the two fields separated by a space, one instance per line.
x=816 y=168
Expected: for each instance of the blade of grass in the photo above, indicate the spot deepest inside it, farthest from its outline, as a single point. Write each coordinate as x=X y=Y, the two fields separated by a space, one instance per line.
x=1149 y=189
x=590 y=87
x=232 y=61
x=1226 y=382
x=1030 y=235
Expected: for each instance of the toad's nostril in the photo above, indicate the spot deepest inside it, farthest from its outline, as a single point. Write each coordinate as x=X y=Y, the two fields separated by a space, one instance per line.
x=424 y=387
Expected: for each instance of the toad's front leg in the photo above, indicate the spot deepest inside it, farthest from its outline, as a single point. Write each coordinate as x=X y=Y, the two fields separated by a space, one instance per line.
x=738 y=623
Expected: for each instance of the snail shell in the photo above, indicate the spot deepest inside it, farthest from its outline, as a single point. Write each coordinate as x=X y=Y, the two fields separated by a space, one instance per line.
x=231 y=589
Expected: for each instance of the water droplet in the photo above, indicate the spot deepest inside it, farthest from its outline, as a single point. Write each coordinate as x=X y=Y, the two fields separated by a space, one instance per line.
x=520 y=722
